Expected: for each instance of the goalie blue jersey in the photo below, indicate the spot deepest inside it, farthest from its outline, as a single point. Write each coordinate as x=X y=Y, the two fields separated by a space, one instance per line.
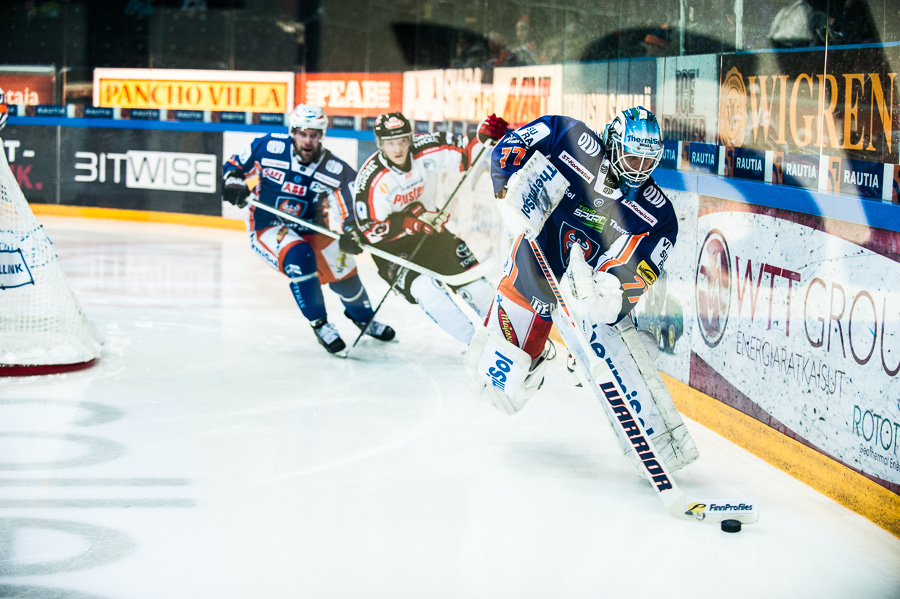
x=316 y=192
x=628 y=231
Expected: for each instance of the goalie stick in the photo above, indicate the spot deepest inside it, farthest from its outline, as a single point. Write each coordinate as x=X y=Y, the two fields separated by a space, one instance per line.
x=623 y=418
x=480 y=267
x=474 y=273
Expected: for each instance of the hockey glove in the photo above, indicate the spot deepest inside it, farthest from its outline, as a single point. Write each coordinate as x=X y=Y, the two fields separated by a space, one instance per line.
x=492 y=128
x=350 y=241
x=234 y=190
x=412 y=221
x=592 y=297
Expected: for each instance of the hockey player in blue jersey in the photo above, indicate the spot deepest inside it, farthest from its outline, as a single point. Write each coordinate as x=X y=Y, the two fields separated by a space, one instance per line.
x=295 y=173
x=606 y=230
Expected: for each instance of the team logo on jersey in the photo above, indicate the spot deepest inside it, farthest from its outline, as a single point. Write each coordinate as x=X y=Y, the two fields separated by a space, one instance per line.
x=588 y=144
x=509 y=333
x=318 y=187
x=569 y=236
x=293 y=188
x=646 y=272
x=643 y=214
x=291 y=206
x=333 y=166
x=282 y=164
x=327 y=180
x=275 y=147
x=655 y=196
x=576 y=166
x=273 y=174
x=533 y=134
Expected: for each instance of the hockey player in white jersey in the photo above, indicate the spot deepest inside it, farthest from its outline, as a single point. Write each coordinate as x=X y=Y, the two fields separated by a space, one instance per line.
x=391 y=216
x=296 y=174
x=605 y=229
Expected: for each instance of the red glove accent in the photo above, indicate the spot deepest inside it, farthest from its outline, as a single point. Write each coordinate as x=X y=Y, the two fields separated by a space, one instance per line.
x=492 y=128
x=411 y=223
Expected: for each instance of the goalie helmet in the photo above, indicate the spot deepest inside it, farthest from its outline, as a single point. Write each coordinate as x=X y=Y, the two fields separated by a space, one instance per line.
x=308 y=117
x=633 y=144
x=4 y=110
x=391 y=125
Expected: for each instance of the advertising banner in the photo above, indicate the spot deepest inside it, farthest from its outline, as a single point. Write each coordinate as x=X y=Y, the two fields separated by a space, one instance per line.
x=790 y=102
x=31 y=153
x=798 y=325
x=596 y=92
x=240 y=91
x=688 y=98
x=522 y=94
x=351 y=94
x=448 y=95
x=168 y=171
x=28 y=85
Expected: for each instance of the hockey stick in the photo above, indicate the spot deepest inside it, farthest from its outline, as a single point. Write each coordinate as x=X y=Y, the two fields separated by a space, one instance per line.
x=622 y=416
x=462 y=278
x=419 y=246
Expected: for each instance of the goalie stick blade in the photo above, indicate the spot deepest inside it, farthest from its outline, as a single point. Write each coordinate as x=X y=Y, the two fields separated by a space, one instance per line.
x=717 y=510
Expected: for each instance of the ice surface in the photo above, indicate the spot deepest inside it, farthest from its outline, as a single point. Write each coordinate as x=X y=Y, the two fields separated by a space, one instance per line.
x=217 y=451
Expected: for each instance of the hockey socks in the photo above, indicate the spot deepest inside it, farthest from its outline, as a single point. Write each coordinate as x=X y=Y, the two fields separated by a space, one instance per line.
x=300 y=267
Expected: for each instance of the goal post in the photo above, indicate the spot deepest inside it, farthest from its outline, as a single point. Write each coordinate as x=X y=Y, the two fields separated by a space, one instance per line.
x=43 y=329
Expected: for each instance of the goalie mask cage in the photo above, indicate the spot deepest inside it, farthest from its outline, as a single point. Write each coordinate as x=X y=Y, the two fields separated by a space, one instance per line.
x=42 y=327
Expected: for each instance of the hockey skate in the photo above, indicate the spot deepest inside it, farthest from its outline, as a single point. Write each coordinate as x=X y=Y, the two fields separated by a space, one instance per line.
x=327 y=335
x=379 y=331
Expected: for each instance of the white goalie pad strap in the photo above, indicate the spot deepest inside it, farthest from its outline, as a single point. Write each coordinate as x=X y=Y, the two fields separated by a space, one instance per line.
x=501 y=371
x=532 y=194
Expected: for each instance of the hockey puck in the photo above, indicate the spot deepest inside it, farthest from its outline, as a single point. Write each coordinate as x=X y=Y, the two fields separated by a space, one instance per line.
x=731 y=525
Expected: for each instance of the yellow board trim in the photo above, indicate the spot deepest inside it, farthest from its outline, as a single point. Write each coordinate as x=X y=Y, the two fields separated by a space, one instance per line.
x=177 y=218
x=851 y=489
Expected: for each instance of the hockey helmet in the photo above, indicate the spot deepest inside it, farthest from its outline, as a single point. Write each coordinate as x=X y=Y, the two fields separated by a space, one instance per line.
x=391 y=125
x=633 y=144
x=308 y=117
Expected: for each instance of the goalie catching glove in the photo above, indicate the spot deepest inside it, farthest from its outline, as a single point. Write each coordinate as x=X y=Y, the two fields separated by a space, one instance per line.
x=532 y=193
x=234 y=190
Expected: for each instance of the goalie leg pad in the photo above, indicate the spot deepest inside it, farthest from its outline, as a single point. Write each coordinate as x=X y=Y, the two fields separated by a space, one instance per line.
x=643 y=389
x=502 y=372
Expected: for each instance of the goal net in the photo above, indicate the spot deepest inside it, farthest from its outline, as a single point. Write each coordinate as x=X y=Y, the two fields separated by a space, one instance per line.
x=43 y=329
